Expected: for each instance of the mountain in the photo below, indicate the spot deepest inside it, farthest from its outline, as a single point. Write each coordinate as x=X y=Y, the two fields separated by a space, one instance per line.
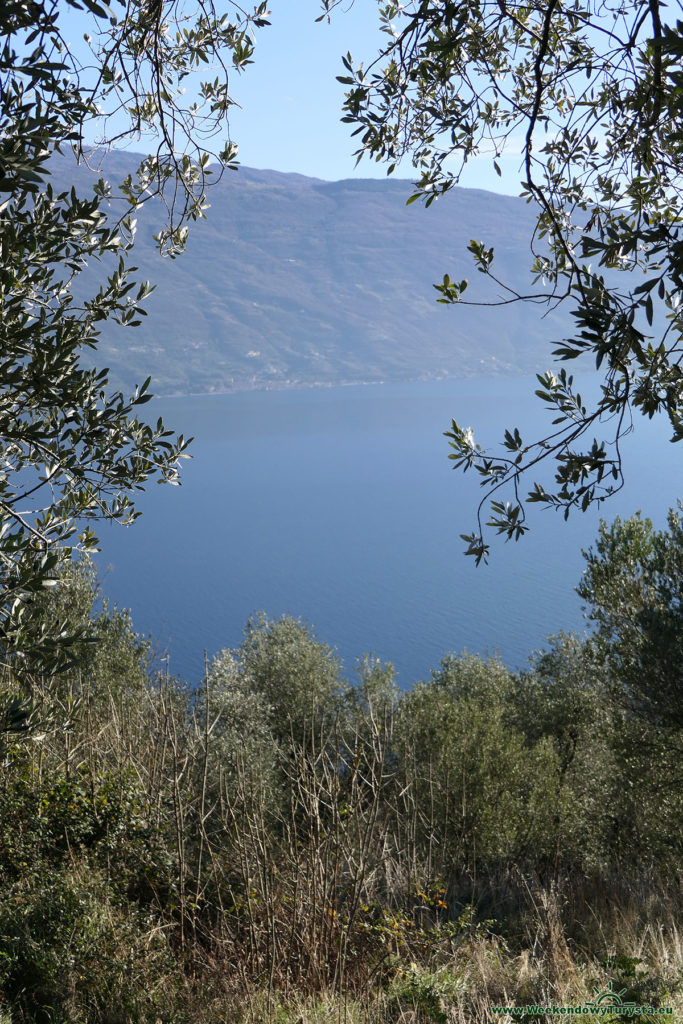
x=294 y=281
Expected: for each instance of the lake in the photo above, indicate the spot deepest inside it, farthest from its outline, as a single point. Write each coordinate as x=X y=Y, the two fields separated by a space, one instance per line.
x=339 y=506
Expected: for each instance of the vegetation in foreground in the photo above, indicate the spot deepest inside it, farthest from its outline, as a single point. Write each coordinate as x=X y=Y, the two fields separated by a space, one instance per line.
x=280 y=845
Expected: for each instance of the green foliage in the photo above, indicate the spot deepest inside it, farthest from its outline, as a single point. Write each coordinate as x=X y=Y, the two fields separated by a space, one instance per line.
x=561 y=701
x=165 y=848
x=69 y=952
x=241 y=742
x=593 y=96
x=633 y=588
x=297 y=677
x=480 y=791
x=430 y=993
x=73 y=450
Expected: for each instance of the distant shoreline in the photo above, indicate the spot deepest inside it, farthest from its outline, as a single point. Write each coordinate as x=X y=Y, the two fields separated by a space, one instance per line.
x=263 y=386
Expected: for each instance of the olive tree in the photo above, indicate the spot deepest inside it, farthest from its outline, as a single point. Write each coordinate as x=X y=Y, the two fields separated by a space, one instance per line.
x=633 y=589
x=71 y=449
x=590 y=94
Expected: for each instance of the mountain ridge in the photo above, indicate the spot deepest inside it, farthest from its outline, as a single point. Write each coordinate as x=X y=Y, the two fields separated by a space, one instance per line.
x=297 y=282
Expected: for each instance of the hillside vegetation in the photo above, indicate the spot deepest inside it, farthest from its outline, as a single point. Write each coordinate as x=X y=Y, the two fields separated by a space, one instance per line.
x=276 y=844
x=293 y=281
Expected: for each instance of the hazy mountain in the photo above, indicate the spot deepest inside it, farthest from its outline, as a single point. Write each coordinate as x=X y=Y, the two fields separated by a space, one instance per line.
x=294 y=281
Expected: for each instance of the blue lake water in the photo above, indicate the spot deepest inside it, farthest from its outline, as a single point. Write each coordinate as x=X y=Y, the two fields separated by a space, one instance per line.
x=339 y=506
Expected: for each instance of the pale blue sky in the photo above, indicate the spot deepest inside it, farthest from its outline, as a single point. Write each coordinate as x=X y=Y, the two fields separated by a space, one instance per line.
x=290 y=101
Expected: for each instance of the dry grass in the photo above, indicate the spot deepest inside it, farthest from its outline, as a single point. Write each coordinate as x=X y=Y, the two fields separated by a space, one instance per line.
x=481 y=972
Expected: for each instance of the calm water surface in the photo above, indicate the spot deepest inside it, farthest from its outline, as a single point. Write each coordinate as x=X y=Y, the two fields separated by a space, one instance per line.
x=340 y=506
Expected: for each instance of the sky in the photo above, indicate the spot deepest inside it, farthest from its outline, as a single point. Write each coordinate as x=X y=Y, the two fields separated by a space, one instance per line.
x=288 y=118
x=291 y=102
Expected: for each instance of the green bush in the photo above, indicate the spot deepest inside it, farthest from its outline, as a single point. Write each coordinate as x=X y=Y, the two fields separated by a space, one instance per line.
x=71 y=952
x=478 y=791
x=276 y=822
